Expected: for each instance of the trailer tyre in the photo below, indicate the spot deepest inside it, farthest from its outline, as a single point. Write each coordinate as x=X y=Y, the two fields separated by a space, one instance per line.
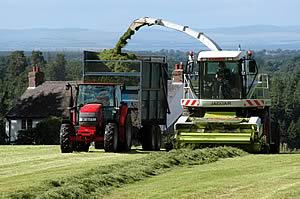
x=111 y=138
x=151 y=137
x=66 y=130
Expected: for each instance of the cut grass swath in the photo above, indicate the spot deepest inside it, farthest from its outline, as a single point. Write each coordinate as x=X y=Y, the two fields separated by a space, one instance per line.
x=99 y=181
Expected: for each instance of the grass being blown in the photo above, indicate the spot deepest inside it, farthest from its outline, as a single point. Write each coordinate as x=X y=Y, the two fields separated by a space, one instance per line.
x=116 y=52
x=101 y=180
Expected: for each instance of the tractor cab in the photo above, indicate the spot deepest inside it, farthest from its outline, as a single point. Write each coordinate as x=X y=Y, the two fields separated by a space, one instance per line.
x=223 y=75
x=106 y=96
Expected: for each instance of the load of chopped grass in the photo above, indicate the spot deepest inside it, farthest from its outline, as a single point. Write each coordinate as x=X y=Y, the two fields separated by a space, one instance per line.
x=117 y=54
x=100 y=181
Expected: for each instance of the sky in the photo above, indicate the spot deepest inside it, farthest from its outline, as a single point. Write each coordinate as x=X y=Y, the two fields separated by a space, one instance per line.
x=117 y=15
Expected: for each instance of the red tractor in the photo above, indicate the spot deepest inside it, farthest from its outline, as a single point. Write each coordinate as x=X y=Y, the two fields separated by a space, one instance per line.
x=97 y=115
x=108 y=113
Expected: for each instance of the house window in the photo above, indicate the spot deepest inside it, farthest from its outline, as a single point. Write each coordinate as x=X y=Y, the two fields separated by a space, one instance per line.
x=23 y=125
x=29 y=124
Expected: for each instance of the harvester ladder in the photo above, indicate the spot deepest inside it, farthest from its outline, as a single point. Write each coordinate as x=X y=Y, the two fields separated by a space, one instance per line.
x=189 y=91
x=261 y=88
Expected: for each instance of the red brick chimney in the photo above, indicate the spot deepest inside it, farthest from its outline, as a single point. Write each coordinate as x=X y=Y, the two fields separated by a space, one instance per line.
x=178 y=73
x=35 y=77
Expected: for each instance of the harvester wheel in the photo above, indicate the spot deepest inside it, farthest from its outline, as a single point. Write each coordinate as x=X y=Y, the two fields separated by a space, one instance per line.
x=66 y=130
x=111 y=138
x=128 y=134
x=275 y=146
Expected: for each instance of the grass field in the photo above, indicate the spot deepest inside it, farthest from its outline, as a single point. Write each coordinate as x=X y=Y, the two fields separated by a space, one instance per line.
x=24 y=166
x=42 y=171
x=252 y=176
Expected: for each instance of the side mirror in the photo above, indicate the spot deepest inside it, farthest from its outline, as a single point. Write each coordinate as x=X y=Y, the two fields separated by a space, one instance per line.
x=252 y=66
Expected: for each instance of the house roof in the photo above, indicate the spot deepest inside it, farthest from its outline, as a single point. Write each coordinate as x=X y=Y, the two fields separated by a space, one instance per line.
x=47 y=99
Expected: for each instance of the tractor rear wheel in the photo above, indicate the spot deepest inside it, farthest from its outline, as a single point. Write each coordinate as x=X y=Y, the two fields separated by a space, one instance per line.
x=66 y=130
x=111 y=138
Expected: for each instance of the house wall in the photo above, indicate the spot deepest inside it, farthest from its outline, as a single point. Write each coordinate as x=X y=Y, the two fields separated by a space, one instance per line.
x=15 y=126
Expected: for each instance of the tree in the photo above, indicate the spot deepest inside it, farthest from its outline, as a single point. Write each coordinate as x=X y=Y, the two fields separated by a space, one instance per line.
x=37 y=59
x=293 y=137
x=56 y=69
x=17 y=63
x=74 y=70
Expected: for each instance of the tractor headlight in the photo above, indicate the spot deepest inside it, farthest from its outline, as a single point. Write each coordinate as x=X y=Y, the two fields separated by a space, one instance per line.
x=87 y=119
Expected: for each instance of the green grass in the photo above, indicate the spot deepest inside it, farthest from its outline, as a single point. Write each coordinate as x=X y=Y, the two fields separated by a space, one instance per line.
x=22 y=167
x=100 y=180
x=252 y=176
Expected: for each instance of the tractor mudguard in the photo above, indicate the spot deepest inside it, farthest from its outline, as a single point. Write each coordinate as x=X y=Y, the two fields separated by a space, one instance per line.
x=122 y=120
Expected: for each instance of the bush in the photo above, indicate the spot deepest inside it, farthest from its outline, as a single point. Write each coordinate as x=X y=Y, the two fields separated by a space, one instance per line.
x=26 y=137
x=45 y=132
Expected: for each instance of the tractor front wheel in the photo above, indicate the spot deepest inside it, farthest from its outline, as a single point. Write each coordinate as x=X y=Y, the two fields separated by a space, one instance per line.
x=82 y=147
x=111 y=138
x=98 y=145
x=66 y=130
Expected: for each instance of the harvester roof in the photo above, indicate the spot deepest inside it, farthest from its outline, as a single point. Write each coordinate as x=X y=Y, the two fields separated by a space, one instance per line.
x=220 y=55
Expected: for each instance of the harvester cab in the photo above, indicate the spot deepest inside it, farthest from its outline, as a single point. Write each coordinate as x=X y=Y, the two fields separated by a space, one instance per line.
x=226 y=102
x=225 y=75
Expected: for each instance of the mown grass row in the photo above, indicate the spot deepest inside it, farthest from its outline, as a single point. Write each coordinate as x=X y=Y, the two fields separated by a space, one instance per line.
x=99 y=181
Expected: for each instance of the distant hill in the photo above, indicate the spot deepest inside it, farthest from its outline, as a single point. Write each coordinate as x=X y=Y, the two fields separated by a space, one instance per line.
x=154 y=38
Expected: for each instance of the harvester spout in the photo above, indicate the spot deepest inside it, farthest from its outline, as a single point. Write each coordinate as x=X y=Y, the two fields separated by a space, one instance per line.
x=208 y=42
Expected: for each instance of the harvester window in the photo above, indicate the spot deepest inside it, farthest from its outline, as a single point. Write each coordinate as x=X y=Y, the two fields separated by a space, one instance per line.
x=221 y=80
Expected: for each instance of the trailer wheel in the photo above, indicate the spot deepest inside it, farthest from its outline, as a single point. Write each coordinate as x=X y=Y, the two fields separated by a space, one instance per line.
x=128 y=134
x=151 y=137
x=66 y=130
x=111 y=138
x=157 y=141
